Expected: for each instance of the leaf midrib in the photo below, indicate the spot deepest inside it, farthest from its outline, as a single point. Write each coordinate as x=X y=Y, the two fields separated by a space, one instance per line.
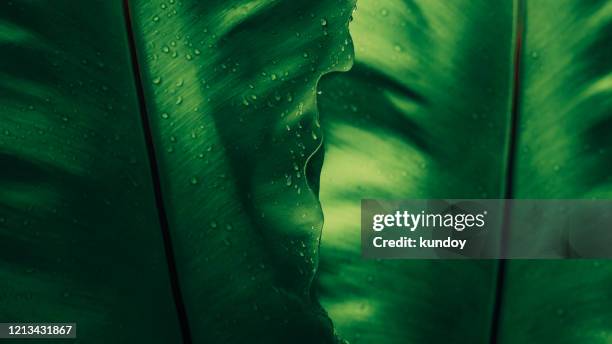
x=156 y=181
x=508 y=187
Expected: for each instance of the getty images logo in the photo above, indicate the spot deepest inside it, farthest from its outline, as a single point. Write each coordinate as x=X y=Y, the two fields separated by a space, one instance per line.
x=422 y=219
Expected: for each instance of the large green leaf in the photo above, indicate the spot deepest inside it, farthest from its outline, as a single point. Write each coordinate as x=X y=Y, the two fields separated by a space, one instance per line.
x=427 y=112
x=206 y=223
x=564 y=150
x=422 y=114
x=231 y=95
x=79 y=235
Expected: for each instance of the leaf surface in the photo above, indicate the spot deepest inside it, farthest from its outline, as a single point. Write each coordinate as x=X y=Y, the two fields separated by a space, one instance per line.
x=231 y=96
x=230 y=101
x=564 y=151
x=79 y=234
x=424 y=113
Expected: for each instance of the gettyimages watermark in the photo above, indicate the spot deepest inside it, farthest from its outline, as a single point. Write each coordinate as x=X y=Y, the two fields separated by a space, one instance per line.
x=486 y=229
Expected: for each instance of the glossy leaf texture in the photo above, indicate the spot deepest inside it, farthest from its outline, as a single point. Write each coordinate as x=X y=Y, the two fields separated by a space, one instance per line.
x=424 y=113
x=231 y=97
x=79 y=235
x=427 y=113
x=230 y=92
x=564 y=151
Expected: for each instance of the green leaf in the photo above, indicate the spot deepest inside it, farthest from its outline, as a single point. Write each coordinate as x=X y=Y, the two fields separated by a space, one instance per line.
x=79 y=235
x=160 y=166
x=564 y=151
x=427 y=112
x=422 y=114
x=231 y=96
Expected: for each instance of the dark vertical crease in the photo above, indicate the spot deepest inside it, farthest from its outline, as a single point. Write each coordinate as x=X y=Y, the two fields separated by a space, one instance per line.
x=153 y=164
x=508 y=192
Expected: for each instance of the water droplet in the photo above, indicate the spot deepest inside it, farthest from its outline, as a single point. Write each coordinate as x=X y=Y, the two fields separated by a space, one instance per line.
x=288 y=181
x=165 y=115
x=323 y=22
x=157 y=80
x=213 y=224
x=273 y=77
x=156 y=19
x=179 y=100
x=194 y=180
